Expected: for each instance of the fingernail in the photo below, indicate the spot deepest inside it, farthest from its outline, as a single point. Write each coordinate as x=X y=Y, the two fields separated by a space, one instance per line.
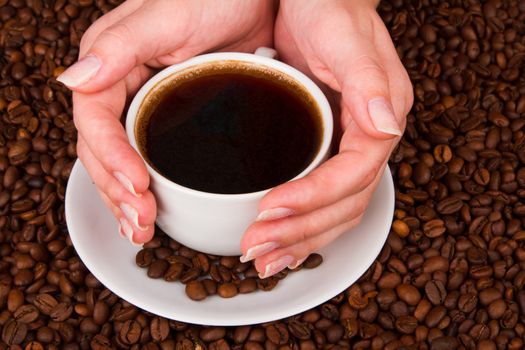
x=277 y=266
x=122 y=234
x=258 y=250
x=297 y=263
x=126 y=182
x=132 y=215
x=80 y=72
x=382 y=115
x=128 y=231
x=274 y=214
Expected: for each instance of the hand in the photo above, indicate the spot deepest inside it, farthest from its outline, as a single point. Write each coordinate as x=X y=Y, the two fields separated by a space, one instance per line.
x=345 y=45
x=117 y=55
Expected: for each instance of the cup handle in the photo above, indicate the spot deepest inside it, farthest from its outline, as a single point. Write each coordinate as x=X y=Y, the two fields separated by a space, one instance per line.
x=266 y=52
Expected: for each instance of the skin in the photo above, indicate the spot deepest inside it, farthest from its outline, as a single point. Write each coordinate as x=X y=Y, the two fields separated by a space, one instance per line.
x=342 y=45
x=345 y=46
x=131 y=43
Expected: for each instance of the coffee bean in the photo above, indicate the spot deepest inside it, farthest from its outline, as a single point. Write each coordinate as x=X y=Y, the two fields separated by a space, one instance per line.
x=157 y=268
x=401 y=228
x=174 y=272
x=61 y=312
x=130 y=332
x=144 y=258
x=247 y=285
x=406 y=324
x=277 y=333
x=457 y=232
x=313 y=261
x=100 y=312
x=26 y=314
x=212 y=333
x=195 y=290
x=159 y=329
x=408 y=294
x=14 y=332
x=45 y=303
x=267 y=284
x=227 y=290
x=435 y=292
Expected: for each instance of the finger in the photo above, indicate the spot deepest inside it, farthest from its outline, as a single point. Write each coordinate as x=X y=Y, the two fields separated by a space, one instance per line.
x=264 y=235
x=277 y=260
x=359 y=161
x=342 y=54
x=97 y=118
x=131 y=41
x=365 y=88
x=110 y=18
x=401 y=90
x=136 y=215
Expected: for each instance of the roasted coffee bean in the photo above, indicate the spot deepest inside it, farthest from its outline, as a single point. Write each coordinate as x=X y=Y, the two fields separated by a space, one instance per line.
x=159 y=329
x=450 y=275
x=267 y=284
x=435 y=292
x=227 y=290
x=157 y=268
x=61 y=312
x=130 y=332
x=313 y=261
x=247 y=285
x=100 y=312
x=45 y=303
x=14 y=332
x=277 y=333
x=409 y=294
x=174 y=272
x=406 y=324
x=196 y=291
x=144 y=257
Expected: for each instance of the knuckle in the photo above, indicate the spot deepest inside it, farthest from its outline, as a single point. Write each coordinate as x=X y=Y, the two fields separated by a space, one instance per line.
x=88 y=38
x=368 y=66
x=118 y=34
x=371 y=172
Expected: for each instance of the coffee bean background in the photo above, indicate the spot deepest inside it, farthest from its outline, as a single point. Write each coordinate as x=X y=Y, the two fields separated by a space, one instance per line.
x=450 y=276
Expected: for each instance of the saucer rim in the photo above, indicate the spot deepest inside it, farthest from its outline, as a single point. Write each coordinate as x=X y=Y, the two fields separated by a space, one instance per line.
x=228 y=320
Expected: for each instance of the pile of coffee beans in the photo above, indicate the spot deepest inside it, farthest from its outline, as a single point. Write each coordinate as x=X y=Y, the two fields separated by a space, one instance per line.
x=205 y=274
x=450 y=276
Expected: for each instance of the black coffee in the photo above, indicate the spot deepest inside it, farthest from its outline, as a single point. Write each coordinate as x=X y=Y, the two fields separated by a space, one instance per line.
x=230 y=129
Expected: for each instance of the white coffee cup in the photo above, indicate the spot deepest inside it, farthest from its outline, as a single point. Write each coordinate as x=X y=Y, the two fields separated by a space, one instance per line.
x=210 y=222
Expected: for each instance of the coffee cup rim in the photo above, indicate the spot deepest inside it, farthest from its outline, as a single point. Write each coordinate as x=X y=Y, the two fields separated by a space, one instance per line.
x=170 y=71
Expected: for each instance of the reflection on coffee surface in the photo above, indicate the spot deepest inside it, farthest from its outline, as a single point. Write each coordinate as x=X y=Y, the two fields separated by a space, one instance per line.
x=230 y=129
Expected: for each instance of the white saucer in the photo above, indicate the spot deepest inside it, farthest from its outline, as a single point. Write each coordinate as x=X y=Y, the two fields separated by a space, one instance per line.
x=111 y=259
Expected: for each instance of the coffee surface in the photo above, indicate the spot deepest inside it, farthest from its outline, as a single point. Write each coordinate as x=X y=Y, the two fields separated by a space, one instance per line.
x=231 y=132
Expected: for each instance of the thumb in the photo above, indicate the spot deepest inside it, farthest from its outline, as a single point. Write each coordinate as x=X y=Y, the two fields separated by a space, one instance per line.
x=131 y=41
x=365 y=89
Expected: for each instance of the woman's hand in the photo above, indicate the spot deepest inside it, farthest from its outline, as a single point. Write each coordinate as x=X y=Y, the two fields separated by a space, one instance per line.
x=117 y=54
x=345 y=45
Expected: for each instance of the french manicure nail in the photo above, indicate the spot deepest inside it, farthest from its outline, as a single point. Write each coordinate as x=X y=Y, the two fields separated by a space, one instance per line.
x=297 y=263
x=382 y=115
x=274 y=214
x=126 y=182
x=128 y=231
x=258 y=250
x=277 y=266
x=122 y=234
x=132 y=215
x=80 y=72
